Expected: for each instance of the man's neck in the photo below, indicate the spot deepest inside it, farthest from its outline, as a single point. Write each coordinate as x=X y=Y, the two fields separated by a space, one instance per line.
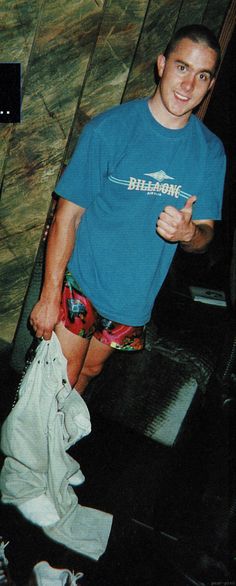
x=164 y=117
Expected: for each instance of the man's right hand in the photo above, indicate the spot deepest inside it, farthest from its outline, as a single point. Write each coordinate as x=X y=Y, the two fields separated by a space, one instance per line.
x=44 y=317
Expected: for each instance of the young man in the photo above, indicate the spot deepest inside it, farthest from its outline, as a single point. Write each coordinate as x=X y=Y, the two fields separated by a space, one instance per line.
x=145 y=176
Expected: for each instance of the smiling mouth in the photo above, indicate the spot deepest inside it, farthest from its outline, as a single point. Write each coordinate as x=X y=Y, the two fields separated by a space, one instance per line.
x=182 y=98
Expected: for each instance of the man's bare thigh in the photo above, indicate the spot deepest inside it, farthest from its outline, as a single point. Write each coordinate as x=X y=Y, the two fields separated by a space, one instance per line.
x=74 y=349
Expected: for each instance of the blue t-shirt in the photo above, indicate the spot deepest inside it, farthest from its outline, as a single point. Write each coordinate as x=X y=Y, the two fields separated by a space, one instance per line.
x=125 y=169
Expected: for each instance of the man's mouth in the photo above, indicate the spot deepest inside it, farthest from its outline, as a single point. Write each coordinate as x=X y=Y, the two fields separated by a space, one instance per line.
x=181 y=97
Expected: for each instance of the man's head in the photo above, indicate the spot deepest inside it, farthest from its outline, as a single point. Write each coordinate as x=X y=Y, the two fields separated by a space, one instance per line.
x=198 y=33
x=187 y=72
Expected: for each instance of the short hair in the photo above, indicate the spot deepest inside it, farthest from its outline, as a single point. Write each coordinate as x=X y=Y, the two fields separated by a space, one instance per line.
x=198 y=33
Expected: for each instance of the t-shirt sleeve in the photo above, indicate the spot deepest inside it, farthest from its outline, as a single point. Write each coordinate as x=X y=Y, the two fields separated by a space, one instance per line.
x=81 y=181
x=209 y=205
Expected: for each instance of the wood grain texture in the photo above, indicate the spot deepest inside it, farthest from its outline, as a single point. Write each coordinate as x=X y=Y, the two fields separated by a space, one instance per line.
x=157 y=29
x=215 y=14
x=111 y=62
x=18 y=23
x=64 y=38
x=193 y=14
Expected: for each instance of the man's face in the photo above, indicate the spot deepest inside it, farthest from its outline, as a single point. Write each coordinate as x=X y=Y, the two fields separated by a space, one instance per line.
x=185 y=78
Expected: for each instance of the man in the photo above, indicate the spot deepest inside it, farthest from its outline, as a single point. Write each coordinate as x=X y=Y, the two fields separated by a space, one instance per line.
x=145 y=176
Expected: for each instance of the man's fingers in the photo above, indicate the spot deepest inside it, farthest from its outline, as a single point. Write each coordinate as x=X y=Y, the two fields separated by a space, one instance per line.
x=170 y=211
x=173 y=213
x=166 y=226
x=41 y=332
x=47 y=334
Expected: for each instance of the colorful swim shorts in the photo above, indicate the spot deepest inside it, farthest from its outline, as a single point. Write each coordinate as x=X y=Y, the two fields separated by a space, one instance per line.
x=80 y=317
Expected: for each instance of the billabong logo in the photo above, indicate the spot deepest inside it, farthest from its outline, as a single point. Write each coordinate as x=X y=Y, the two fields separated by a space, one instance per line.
x=159 y=186
x=159 y=175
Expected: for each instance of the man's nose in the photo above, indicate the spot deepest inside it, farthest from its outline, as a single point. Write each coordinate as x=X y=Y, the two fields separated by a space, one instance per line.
x=188 y=83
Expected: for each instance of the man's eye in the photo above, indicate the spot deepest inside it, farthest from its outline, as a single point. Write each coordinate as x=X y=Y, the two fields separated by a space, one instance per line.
x=181 y=67
x=204 y=76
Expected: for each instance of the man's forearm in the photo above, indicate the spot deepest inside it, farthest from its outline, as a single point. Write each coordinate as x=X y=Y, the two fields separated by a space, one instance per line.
x=59 y=248
x=202 y=236
x=61 y=240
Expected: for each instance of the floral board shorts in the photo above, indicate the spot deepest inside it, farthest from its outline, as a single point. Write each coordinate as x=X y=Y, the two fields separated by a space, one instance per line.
x=80 y=317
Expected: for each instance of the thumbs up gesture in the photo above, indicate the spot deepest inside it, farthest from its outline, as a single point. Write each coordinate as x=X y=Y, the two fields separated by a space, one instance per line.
x=176 y=225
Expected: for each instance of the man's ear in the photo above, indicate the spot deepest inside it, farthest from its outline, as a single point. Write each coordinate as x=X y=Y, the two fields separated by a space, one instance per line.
x=212 y=83
x=161 y=61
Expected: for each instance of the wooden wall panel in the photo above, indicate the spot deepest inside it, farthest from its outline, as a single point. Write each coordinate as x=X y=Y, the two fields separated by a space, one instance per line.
x=64 y=39
x=19 y=20
x=157 y=30
x=215 y=14
x=14 y=279
x=111 y=61
x=193 y=14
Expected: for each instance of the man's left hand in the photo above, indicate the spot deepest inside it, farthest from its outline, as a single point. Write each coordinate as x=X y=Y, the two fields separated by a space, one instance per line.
x=176 y=225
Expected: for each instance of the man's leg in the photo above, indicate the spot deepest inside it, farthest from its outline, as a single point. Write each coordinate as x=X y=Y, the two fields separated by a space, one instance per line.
x=96 y=356
x=74 y=349
x=113 y=334
x=85 y=358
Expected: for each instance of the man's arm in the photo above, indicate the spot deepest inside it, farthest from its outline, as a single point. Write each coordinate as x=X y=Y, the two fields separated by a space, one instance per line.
x=61 y=239
x=177 y=226
x=202 y=236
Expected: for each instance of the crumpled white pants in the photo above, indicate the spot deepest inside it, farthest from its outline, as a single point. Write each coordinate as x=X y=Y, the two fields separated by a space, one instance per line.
x=48 y=418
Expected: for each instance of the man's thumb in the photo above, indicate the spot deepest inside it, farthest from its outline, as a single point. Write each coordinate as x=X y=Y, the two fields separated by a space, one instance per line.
x=189 y=203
